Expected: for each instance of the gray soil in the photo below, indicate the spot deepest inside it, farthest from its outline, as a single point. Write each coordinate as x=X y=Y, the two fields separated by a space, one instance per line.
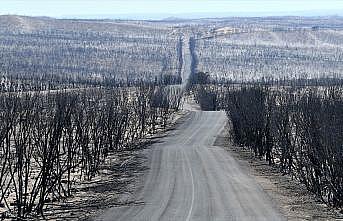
x=190 y=178
x=291 y=197
x=119 y=178
x=190 y=172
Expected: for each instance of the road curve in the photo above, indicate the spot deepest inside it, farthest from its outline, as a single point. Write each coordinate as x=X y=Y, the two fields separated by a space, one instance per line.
x=191 y=179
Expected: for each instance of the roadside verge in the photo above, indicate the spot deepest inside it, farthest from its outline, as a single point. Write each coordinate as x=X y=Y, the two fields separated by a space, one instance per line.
x=119 y=178
x=292 y=198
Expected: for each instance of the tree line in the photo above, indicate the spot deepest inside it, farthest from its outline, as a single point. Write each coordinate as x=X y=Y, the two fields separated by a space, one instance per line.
x=73 y=54
x=49 y=141
x=299 y=129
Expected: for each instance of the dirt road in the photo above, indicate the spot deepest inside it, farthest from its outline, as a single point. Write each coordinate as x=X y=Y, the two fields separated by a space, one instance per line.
x=191 y=179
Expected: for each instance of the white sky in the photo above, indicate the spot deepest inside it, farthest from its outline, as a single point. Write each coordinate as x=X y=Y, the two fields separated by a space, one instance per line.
x=63 y=8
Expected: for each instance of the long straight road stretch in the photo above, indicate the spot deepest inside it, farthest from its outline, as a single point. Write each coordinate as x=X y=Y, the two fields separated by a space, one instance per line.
x=191 y=179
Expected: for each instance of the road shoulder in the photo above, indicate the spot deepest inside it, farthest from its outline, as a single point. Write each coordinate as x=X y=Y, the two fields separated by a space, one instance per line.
x=290 y=197
x=116 y=184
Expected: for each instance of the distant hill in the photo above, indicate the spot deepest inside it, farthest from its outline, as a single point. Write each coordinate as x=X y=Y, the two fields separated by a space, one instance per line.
x=19 y=23
x=173 y=19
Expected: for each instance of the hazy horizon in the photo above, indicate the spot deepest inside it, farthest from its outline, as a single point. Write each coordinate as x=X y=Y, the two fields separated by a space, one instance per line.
x=153 y=9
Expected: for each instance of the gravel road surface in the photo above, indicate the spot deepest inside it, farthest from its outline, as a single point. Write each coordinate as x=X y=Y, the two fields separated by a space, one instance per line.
x=191 y=179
